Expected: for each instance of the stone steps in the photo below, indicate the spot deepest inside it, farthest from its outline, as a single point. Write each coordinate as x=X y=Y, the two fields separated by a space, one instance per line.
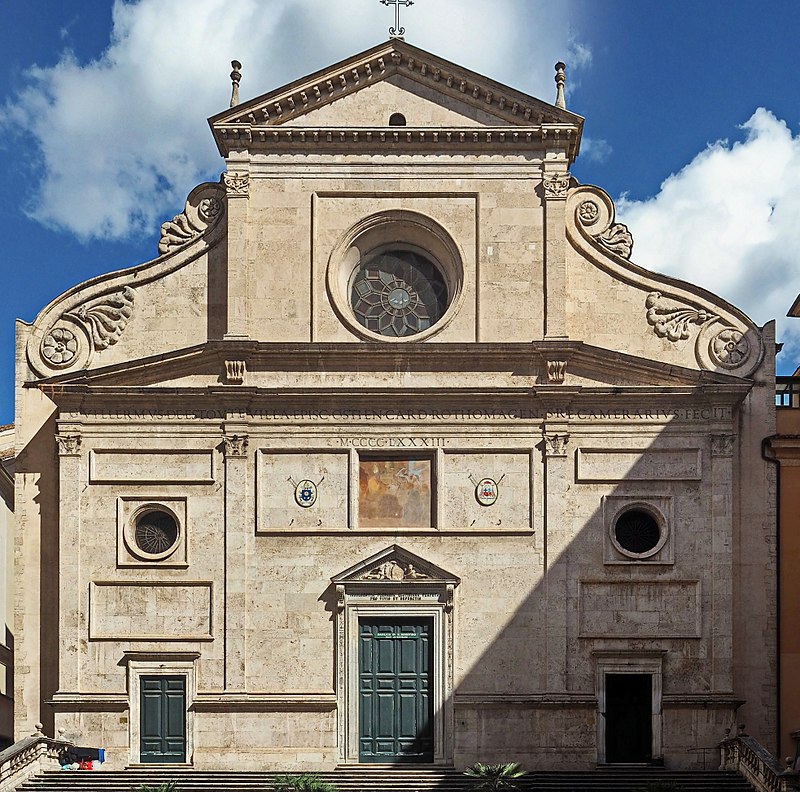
x=388 y=780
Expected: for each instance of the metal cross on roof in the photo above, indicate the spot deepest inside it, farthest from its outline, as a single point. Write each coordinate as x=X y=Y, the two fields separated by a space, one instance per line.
x=397 y=31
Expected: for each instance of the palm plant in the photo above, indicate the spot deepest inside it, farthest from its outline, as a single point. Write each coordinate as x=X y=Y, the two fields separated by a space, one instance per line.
x=304 y=782
x=167 y=786
x=491 y=778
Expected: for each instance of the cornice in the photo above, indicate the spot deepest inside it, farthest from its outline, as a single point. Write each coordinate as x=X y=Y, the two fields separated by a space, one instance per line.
x=336 y=140
x=527 y=357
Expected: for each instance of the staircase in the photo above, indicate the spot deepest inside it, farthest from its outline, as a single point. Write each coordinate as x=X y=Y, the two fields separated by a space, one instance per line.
x=383 y=779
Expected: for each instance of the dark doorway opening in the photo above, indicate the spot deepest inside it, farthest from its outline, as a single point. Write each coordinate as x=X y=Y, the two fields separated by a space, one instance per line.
x=629 y=718
x=395 y=696
x=163 y=719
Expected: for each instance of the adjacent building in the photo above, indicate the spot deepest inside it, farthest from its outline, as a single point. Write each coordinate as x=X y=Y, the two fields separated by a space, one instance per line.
x=394 y=455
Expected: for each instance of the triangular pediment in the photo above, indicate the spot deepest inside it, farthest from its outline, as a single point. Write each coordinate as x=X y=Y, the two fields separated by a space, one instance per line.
x=395 y=565
x=464 y=99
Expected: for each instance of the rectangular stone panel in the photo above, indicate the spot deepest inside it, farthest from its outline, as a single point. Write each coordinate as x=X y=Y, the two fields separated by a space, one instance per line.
x=640 y=609
x=161 y=465
x=508 y=508
x=150 y=610
x=286 y=502
x=631 y=464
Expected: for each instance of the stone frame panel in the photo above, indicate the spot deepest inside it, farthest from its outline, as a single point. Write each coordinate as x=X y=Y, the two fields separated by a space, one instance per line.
x=630 y=662
x=159 y=664
x=360 y=593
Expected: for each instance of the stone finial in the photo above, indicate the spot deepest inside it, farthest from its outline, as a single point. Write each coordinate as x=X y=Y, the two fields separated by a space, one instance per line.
x=236 y=77
x=560 y=80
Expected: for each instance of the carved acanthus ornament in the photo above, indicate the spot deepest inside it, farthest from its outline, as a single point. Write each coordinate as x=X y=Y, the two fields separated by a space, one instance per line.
x=237 y=184
x=391 y=570
x=69 y=445
x=618 y=240
x=188 y=225
x=614 y=237
x=556 y=444
x=235 y=446
x=106 y=317
x=102 y=319
x=671 y=320
x=722 y=445
x=556 y=185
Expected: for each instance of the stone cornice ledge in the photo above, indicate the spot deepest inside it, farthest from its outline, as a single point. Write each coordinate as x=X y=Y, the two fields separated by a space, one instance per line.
x=89 y=702
x=556 y=700
x=265 y=702
x=676 y=700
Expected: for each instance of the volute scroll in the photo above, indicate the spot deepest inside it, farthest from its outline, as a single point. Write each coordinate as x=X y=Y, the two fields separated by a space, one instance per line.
x=725 y=339
x=93 y=316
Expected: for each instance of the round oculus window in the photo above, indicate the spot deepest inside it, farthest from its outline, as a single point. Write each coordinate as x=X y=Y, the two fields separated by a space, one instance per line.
x=397 y=292
x=156 y=533
x=637 y=532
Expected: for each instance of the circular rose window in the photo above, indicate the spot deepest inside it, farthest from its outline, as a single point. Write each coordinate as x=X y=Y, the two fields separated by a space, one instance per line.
x=396 y=276
x=155 y=533
x=397 y=292
x=637 y=533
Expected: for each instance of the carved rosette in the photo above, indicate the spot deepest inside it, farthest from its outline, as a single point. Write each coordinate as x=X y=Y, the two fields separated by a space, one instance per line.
x=235 y=446
x=729 y=348
x=556 y=445
x=91 y=327
x=556 y=185
x=204 y=207
x=237 y=184
x=596 y=217
x=716 y=345
x=60 y=346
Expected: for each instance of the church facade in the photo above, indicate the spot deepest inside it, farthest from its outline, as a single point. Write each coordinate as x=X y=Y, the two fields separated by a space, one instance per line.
x=394 y=455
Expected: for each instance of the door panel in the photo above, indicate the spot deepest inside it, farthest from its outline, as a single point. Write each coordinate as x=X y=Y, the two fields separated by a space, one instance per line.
x=395 y=706
x=163 y=719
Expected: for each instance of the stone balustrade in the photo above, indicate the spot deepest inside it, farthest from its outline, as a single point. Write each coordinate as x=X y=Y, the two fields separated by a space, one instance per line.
x=747 y=757
x=27 y=757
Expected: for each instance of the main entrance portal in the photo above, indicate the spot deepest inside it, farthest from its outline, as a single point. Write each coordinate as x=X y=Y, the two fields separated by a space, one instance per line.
x=629 y=718
x=395 y=698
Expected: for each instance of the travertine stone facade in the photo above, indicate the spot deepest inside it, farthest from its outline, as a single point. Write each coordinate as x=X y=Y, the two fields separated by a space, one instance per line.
x=238 y=475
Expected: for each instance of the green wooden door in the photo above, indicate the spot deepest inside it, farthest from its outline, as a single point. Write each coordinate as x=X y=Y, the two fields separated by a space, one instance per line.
x=395 y=701
x=163 y=719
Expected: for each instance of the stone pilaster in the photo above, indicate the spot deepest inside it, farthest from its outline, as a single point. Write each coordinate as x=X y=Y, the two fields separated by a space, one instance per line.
x=555 y=184
x=556 y=542
x=72 y=616
x=722 y=448
x=237 y=534
x=237 y=187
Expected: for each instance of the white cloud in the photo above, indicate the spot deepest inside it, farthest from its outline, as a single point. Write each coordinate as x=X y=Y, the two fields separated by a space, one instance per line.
x=595 y=149
x=121 y=140
x=728 y=221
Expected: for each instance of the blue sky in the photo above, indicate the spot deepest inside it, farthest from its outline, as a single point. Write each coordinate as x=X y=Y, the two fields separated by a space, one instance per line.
x=692 y=118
